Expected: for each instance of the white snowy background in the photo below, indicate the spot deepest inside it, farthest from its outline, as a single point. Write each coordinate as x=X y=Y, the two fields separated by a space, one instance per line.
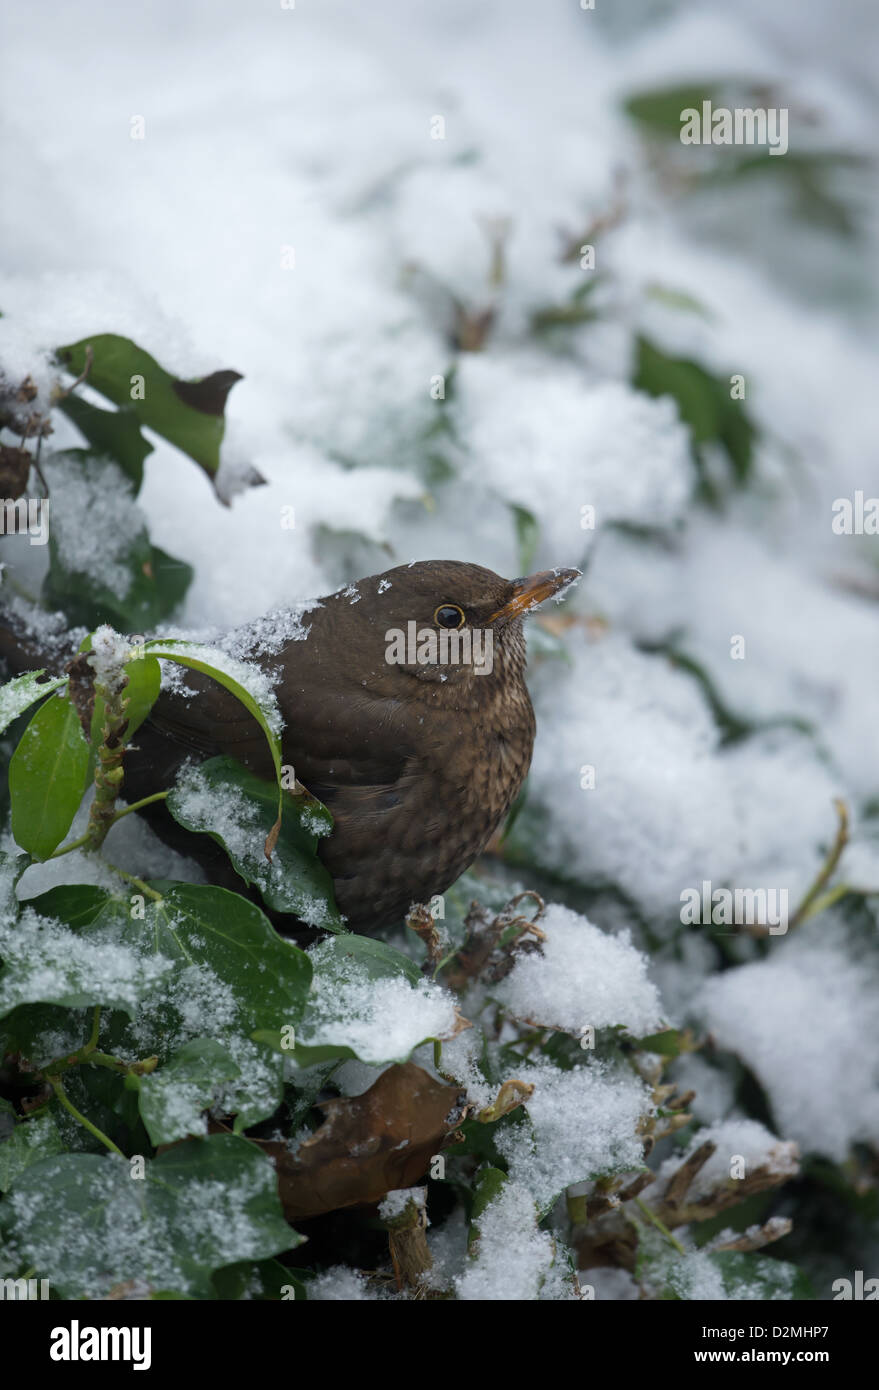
x=310 y=127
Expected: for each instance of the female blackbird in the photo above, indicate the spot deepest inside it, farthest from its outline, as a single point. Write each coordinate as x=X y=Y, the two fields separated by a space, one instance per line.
x=405 y=711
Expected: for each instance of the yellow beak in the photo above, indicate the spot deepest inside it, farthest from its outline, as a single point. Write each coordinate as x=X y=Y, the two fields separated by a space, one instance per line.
x=533 y=590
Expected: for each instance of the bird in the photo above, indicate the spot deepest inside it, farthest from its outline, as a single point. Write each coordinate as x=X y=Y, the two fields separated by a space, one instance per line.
x=405 y=711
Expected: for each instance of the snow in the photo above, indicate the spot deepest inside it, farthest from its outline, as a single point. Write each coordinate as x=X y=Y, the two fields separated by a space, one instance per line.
x=95 y=520
x=395 y=1203
x=696 y=1277
x=44 y=961
x=379 y=1019
x=582 y=978
x=514 y=1259
x=130 y=1235
x=671 y=806
x=805 y=1021
x=340 y=1285
x=651 y=740
x=744 y=1140
x=715 y=1092
x=584 y=1125
x=557 y=447
x=109 y=653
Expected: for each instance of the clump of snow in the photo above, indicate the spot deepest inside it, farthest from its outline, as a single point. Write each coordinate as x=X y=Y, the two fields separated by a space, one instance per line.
x=267 y=634
x=581 y=977
x=109 y=653
x=513 y=1260
x=462 y=1058
x=637 y=791
x=95 y=519
x=395 y=1203
x=44 y=961
x=581 y=1124
x=738 y=1139
x=697 y=1277
x=379 y=1019
x=340 y=1285
x=611 y=1284
x=232 y=815
x=448 y=1249
x=805 y=1021
x=562 y=445
x=650 y=738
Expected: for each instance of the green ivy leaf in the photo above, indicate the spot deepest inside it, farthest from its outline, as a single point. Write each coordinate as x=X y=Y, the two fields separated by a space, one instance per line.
x=80 y=586
x=339 y=1019
x=489 y=1184
x=263 y=1280
x=47 y=777
x=173 y=1098
x=238 y=810
x=200 y=1206
x=704 y=404
x=527 y=536
x=45 y=962
x=234 y=676
x=265 y=979
x=676 y=299
x=659 y=110
x=671 y=1042
x=76 y=904
x=190 y=419
x=19 y=694
x=233 y=977
x=113 y=433
x=30 y=1142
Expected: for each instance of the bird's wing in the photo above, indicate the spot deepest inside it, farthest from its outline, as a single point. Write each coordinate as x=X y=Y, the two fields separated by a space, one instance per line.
x=338 y=739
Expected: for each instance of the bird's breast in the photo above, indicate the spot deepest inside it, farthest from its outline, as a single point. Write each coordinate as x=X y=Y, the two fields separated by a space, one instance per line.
x=407 y=836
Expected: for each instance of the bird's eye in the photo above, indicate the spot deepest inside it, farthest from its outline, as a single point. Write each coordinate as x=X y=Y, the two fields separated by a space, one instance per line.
x=449 y=615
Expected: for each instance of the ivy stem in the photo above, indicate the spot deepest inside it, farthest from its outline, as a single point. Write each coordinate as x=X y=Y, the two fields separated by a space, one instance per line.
x=840 y=890
x=93 y=1036
x=104 y=1059
x=67 y=849
x=108 y=763
x=57 y=1086
x=660 y=1225
x=813 y=902
x=138 y=882
x=138 y=805
x=126 y=811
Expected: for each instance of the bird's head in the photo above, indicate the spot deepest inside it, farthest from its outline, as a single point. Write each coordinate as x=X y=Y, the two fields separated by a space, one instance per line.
x=446 y=621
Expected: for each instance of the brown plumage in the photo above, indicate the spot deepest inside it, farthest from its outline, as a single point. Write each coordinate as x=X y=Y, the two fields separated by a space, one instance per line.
x=418 y=763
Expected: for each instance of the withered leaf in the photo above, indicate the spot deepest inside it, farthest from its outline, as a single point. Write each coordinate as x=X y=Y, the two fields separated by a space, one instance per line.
x=369 y=1145
x=208 y=395
x=81 y=688
x=15 y=467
